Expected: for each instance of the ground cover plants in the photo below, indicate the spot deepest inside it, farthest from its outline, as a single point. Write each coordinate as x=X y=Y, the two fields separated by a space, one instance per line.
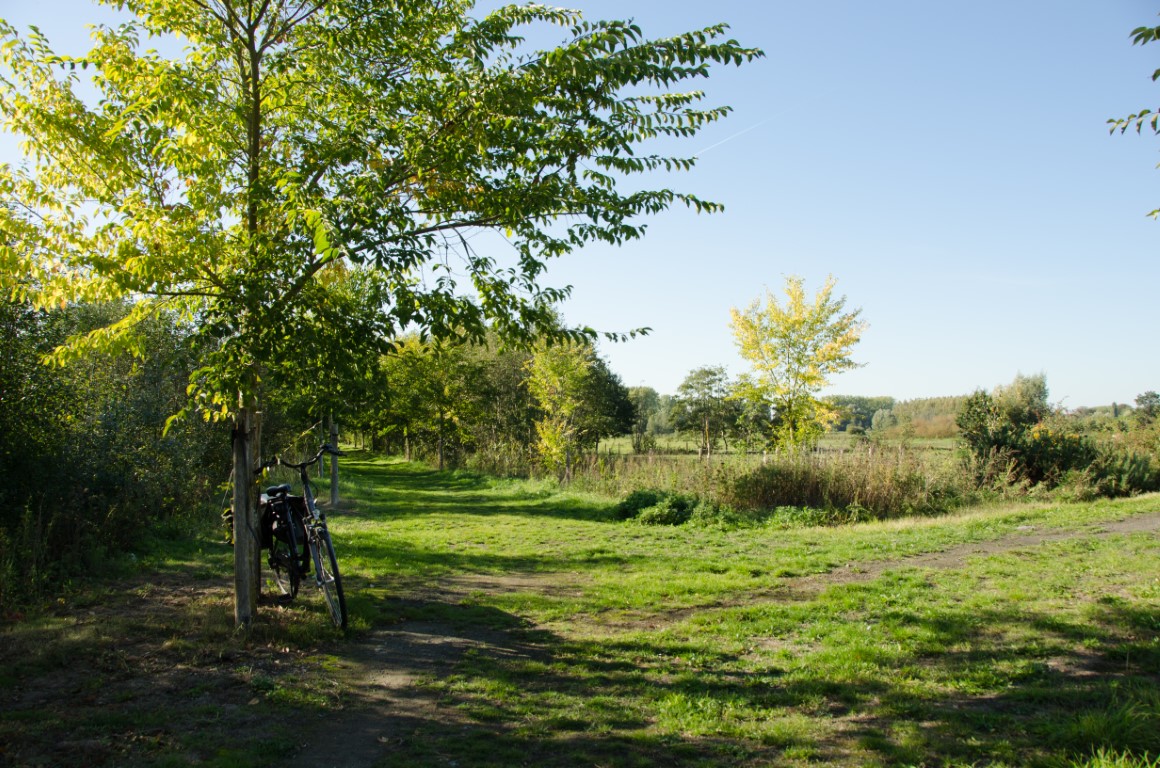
x=505 y=622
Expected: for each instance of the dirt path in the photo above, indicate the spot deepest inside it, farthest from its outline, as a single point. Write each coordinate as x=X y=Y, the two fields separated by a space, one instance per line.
x=386 y=706
x=955 y=557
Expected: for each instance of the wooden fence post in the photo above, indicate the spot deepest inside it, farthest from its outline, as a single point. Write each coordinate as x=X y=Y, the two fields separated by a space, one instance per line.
x=333 y=462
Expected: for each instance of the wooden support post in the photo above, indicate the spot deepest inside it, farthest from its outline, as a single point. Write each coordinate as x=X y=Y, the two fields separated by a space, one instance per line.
x=333 y=462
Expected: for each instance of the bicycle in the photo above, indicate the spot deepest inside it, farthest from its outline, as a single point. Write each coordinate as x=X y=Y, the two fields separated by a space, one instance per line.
x=294 y=529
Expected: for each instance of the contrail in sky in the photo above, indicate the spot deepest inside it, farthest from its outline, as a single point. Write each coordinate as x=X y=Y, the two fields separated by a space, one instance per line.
x=734 y=136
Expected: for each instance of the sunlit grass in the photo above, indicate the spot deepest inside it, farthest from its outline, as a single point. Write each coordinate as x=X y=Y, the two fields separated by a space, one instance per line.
x=711 y=638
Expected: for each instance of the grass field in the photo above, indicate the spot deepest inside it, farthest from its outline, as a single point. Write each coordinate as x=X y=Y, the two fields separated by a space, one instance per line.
x=504 y=623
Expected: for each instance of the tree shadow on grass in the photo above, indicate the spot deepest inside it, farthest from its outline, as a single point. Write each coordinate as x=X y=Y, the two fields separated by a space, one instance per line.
x=488 y=689
x=979 y=688
x=149 y=671
x=470 y=685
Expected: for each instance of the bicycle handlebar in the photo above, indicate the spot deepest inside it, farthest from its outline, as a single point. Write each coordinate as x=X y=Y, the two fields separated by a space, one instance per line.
x=325 y=448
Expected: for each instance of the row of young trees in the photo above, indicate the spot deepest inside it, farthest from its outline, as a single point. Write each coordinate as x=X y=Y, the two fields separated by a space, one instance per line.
x=456 y=399
x=499 y=408
x=509 y=408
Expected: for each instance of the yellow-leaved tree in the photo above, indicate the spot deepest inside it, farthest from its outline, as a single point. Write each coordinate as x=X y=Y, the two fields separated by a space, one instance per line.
x=794 y=349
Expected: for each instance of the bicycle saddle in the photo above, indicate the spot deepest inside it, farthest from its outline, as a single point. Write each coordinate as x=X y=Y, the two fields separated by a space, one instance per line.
x=278 y=490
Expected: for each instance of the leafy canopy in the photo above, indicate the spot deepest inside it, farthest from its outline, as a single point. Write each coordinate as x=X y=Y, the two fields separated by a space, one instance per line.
x=1144 y=117
x=794 y=348
x=295 y=146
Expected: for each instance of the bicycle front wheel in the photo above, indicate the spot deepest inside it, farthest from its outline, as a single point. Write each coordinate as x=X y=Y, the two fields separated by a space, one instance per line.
x=326 y=575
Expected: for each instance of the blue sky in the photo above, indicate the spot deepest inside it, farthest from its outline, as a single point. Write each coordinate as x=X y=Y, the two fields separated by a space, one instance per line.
x=948 y=162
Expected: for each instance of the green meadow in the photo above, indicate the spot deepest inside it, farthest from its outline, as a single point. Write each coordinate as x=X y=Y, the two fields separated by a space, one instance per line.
x=505 y=622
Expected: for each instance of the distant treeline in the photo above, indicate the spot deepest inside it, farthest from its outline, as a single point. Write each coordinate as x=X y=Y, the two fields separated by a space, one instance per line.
x=935 y=417
x=924 y=417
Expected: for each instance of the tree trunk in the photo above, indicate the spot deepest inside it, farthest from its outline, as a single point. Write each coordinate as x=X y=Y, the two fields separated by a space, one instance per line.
x=247 y=541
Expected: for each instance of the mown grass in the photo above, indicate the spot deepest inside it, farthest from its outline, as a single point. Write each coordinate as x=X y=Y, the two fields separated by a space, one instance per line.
x=659 y=645
x=626 y=644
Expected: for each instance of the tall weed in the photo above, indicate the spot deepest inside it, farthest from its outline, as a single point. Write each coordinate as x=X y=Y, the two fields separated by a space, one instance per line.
x=867 y=482
x=874 y=482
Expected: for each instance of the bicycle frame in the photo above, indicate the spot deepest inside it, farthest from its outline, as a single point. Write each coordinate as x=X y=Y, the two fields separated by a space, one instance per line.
x=317 y=542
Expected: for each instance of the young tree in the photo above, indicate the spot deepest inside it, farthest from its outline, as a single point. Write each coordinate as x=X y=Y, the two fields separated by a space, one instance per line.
x=433 y=390
x=882 y=420
x=645 y=402
x=1023 y=403
x=559 y=378
x=702 y=407
x=1147 y=407
x=608 y=410
x=752 y=426
x=857 y=412
x=296 y=138
x=794 y=349
x=660 y=421
x=506 y=430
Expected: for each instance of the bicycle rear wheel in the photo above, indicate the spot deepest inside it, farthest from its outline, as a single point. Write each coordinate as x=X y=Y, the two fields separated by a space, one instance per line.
x=326 y=575
x=284 y=554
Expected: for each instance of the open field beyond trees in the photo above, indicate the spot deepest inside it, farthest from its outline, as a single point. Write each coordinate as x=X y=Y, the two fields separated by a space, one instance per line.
x=504 y=623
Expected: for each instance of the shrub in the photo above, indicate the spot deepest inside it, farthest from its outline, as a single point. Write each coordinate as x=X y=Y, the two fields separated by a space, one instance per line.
x=1014 y=438
x=801 y=517
x=710 y=515
x=671 y=510
x=1046 y=453
x=85 y=468
x=637 y=501
x=1123 y=472
x=654 y=507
